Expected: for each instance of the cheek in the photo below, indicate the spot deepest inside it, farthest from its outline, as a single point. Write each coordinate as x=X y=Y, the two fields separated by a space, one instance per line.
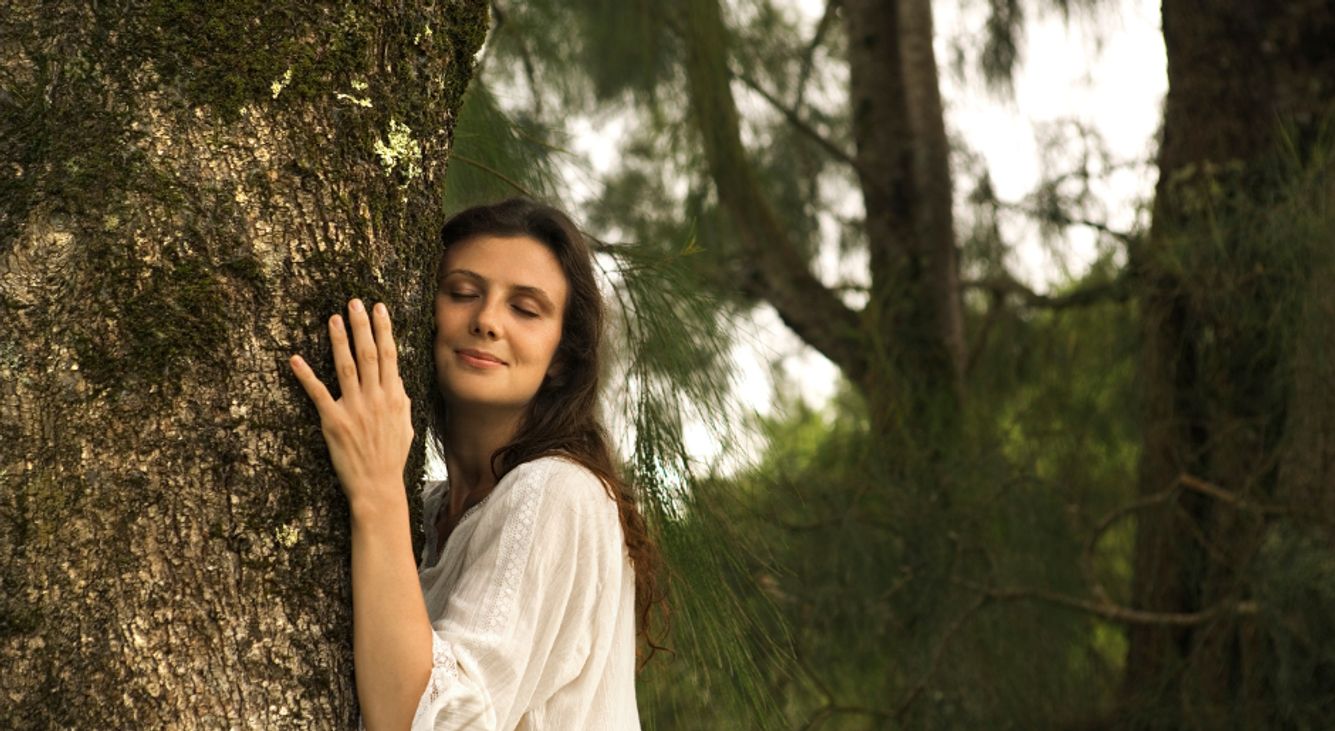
x=446 y=321
x=552 y=344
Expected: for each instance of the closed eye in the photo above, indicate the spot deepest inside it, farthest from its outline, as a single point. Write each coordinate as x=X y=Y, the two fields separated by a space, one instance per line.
x=525 y=313
x=462 y=296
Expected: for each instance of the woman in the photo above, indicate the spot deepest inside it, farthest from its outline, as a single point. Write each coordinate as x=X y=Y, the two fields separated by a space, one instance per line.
x=537 y=569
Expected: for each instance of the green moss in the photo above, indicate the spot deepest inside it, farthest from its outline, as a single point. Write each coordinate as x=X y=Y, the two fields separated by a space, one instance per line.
x=181 y=315
x=18 y=619
x=248 y=271
x=226 y=55
x=163 y=317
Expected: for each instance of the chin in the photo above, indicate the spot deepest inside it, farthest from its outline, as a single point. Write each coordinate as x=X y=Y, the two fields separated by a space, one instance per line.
x=481 y=398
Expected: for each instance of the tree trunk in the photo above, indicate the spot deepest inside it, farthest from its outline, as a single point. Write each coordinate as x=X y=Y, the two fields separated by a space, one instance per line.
x=913 y=320
x=905 y=348
x=187 y=191
x=1215 y=365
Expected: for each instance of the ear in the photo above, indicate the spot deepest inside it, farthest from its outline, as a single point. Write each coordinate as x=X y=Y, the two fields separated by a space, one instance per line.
x=554 y=370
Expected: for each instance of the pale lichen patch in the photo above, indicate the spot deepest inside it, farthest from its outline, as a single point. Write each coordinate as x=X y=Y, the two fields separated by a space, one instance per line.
x=288 y=534
x=359 y=101
x=279 y=84
x=400 y=149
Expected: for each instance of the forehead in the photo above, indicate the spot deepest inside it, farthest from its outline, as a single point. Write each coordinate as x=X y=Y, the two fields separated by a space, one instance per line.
x=510 y=262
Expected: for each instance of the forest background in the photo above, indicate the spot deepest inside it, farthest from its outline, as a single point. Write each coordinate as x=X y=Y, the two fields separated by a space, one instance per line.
x=1103 y=505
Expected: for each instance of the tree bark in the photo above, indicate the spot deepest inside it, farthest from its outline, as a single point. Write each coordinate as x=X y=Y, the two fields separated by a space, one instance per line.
x=904 y=350
x=914 y=319
x=1213 y=384
x=187 y=191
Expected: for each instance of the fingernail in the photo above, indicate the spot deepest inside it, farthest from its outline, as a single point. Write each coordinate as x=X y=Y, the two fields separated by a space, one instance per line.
x=357 y=305
x=381 y=309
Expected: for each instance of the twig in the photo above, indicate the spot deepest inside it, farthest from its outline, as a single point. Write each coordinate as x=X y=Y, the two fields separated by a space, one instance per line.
x=808 y=57
x=1107 y=522
x=1197 y=485
x=499 y=175
x=1062 y=219
x=525 y=57
x=1116 y=291
x=1114 y=612
x=937 y=654
x=796 y=120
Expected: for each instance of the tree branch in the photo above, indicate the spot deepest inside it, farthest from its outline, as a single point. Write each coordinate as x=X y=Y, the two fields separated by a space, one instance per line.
x=1196 y=484
x=1115 y=612
x=994 y=309
x=798 y=123
x=1061 y=218
x=809 y=56
x=1118 y=290
x=937 y=654
x=813 y=312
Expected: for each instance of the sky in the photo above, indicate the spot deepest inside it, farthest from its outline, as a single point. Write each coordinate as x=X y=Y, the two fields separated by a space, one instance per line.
x=1106 y=70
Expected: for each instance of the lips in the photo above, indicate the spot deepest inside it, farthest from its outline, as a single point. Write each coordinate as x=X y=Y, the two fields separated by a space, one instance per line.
x=479 y=359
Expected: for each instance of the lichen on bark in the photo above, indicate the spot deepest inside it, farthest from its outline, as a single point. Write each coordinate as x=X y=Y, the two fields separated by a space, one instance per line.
x=171 y=230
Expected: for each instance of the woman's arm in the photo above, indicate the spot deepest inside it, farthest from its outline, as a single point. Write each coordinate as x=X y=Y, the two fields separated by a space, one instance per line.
x=369 y=432
x=391 y=634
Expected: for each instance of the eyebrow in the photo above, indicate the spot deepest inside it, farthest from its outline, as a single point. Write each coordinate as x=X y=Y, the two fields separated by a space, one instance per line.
x=525 y=289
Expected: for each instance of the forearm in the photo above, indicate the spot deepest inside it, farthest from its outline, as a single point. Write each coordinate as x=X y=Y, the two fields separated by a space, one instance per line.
x=391 y=630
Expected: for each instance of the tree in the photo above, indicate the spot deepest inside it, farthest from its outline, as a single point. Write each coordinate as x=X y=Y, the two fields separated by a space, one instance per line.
x=1234 y=475
x=745 y=135
x=188 y=190
x=1221 y=605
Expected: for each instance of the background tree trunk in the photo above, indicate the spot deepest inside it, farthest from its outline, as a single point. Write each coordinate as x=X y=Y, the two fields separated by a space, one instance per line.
x=913 y=321
x=1241 y=75
x=904 y=350
x=188 y=190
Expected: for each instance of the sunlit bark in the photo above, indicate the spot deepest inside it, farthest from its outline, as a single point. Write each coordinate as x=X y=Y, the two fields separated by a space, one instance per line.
x=187 y=191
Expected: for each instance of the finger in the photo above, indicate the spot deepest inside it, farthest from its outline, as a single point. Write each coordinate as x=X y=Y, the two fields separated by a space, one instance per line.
x=311 y=383
x=368 y=365
x=344 y=365
x=384 y=340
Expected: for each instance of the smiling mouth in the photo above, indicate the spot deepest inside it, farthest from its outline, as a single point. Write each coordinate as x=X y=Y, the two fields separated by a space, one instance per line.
x=478 y=360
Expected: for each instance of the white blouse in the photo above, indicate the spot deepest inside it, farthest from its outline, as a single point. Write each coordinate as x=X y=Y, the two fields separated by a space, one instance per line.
x=533 y=607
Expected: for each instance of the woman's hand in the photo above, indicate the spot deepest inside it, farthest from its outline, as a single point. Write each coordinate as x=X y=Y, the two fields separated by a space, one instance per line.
x=369 y=428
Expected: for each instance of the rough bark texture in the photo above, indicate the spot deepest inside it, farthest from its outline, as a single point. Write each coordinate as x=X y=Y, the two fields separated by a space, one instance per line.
x=188 y=189
x=1219 y=401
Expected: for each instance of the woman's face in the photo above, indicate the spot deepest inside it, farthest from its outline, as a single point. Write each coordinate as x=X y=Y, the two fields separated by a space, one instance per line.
x=499 y=309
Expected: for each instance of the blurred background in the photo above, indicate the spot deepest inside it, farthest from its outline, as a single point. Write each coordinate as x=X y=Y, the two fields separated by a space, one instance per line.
x=972 y=356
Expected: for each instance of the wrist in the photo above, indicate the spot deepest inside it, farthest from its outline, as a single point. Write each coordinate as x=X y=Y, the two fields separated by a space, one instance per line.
x=386 y=503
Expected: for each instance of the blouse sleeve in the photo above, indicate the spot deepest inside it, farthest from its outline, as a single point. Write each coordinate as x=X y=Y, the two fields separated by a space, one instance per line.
x=520 y=615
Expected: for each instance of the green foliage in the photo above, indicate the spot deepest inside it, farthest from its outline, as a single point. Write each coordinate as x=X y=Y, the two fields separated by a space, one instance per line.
x=883 y=582
x=1295 y=579
x=670 y=354
x=1002 y=48
x=495 y=156
x=838 y=583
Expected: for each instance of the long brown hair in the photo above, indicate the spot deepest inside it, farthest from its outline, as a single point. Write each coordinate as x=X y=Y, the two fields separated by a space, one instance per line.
x=562 y=418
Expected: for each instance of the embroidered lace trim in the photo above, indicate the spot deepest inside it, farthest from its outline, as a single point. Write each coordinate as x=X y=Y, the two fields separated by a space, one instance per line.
x=516 y=543
x=444 y=673
x=431 y=549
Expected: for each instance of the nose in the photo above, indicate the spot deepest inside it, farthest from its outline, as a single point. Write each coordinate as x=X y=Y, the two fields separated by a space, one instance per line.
x=486 y=319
